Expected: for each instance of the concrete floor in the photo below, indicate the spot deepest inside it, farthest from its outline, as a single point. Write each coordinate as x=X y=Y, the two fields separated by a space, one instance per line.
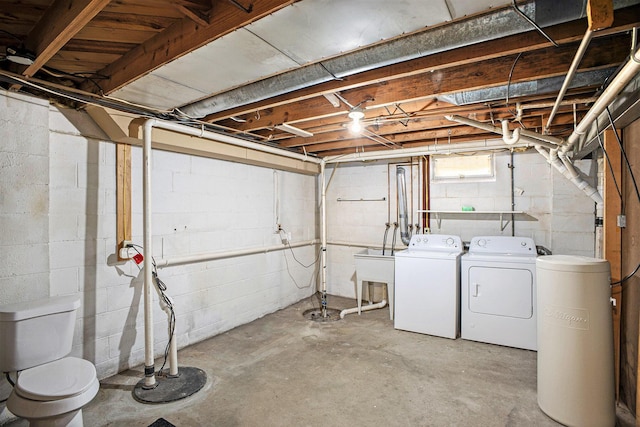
x=284 y=370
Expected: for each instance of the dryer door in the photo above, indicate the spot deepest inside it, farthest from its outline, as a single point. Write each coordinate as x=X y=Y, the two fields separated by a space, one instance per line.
x=501 y=291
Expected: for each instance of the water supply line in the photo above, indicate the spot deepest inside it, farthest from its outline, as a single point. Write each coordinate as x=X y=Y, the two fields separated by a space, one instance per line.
x=403 y=215
x=384 y=240
x=393 y=241
x=323 y=243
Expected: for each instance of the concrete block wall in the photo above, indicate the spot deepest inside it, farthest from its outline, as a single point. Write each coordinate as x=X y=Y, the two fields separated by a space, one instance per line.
x=363 y=222
x=564 y=215
x=58 y=218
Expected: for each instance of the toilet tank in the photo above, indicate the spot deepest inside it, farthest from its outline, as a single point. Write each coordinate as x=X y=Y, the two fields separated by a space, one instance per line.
x=36 y=332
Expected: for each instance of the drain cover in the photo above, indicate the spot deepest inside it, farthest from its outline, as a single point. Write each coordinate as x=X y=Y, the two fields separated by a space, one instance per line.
x=168 y=389
x=315 y=314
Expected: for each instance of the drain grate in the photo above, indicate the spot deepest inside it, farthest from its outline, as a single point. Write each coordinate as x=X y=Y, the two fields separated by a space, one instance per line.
x=315 y=314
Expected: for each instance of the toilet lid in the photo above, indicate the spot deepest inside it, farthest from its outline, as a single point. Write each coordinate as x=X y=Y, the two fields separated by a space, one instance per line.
x=56 y=380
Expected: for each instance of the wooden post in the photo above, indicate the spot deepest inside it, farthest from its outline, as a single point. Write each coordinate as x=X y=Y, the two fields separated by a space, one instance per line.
x=613 y=236
x=123 y=194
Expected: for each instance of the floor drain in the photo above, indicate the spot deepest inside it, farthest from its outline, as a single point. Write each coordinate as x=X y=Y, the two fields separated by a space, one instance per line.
x=315 y=314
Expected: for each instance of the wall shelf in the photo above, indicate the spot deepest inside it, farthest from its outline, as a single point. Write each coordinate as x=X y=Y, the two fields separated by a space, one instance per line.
x=503 y=216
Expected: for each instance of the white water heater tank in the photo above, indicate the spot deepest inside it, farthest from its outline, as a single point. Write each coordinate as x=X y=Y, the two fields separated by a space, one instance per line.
x=576 y=385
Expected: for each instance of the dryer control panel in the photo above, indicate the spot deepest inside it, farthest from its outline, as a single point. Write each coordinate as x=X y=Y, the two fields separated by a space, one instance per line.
x=503 y=245
x=435 y=242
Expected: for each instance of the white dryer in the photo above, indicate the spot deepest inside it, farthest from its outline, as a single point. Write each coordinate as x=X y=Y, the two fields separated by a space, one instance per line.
x=499 y=291
x=427 y=285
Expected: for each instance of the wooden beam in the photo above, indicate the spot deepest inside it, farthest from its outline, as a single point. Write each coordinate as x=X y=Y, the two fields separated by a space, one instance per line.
x=565 y=33
x=181 y=38
x=612 y=235
x=535 y=65
x=123 y=195
x=60 y=23
x=599 y=14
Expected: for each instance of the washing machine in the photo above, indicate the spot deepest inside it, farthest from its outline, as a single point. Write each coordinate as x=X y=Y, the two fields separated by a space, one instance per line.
x=499 y=291
x=427 y=285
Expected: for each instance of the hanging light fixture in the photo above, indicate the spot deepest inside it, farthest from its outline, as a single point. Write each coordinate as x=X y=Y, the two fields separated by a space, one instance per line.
x=356 y=114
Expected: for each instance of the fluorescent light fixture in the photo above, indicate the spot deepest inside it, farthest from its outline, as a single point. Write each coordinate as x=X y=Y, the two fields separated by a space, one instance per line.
x=294 y=130
x=19 y=56
x=332 y=98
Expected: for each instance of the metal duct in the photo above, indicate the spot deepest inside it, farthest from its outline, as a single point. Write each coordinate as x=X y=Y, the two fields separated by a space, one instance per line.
x=477 y=29
x=403 y=215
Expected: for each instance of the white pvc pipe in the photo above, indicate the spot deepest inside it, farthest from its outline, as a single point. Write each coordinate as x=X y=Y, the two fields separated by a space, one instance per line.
x=375 y=306
x=173 y=355
x=213 y=136
x=509 y=139
x=150 y=381
x=323 y=231
x=149 y=367
x=190 y=259
x=530 y=138
x=427 y=150
x=628 y=72
x=567 y=80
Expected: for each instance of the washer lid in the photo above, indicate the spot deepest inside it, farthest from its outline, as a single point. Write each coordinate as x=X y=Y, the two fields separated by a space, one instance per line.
x=56 y=380
x=573 y=263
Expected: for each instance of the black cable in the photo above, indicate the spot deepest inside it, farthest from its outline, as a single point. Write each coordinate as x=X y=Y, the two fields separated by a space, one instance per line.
x=624 y=153
x=606 y=156
x=509 y=84
x=627 y=277
x=160 y=285
x=6 y=374
x=12 y=35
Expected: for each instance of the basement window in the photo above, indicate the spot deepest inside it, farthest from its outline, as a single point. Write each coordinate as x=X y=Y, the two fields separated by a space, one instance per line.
x=469 y=168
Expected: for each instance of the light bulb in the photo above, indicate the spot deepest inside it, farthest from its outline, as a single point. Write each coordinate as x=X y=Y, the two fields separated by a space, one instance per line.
x=355 y=126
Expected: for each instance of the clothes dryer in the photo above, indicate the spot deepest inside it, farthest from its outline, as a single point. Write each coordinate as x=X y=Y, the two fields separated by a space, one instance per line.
x=427 y=285
x=499 y=291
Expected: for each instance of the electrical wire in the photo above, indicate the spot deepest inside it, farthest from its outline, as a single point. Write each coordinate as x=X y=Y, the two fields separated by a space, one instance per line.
x=627 y=277
x=295 y=282
x=515 y=113
x=606 y=156
x=162 y=287
x=624 y=154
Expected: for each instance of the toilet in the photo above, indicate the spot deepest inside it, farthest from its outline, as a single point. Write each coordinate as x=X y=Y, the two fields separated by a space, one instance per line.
x=35 y=338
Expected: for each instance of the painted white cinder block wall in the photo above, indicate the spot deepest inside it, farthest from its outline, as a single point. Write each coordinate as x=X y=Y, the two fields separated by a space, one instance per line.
x=58 y=219
x=565 y=217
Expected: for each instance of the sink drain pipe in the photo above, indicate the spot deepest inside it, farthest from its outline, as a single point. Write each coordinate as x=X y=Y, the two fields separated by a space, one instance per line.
x=375 y=306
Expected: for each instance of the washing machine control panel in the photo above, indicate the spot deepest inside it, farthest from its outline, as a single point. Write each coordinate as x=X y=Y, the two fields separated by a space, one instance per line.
x=506 y=245
x=435 y=242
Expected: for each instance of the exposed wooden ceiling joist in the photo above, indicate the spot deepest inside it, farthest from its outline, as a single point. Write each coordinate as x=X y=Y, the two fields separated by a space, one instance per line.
x=61 y=22
x=180 y=38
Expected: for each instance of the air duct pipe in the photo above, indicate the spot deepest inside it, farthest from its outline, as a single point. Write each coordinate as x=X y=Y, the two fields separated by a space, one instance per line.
x=403 y=215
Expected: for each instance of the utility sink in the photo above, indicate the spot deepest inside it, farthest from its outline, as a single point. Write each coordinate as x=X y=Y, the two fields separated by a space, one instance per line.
x=372 y=266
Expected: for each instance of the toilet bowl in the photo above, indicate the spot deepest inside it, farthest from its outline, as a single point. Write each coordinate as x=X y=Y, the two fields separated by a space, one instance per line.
x=54 y=393
x=35 y=339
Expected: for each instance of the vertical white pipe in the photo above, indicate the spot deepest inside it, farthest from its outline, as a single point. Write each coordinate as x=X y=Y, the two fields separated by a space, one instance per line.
x=323 y=224
x=173 y=355
x=149 y=367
